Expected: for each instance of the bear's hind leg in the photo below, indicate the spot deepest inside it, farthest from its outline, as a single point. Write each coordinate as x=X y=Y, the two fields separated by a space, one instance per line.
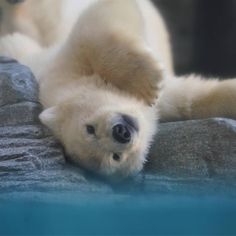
x=193 y=97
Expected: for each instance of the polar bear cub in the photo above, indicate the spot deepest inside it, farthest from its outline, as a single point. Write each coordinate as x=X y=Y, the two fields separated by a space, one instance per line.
x=99 y=85
x=104 y=80
x=105 y=84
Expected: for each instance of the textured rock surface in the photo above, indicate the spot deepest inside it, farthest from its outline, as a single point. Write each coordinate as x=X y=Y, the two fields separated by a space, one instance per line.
x=199 y=148
x=196 y=156
x=186 y=157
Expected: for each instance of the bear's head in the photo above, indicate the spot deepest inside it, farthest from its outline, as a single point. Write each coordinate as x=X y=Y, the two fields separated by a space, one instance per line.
x=104 y=131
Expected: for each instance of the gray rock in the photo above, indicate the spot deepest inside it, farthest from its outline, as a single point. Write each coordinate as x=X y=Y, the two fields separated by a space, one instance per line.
x=187 y=157
x=17 y=83
x=26 y=131
x=195 y=148
x=20 y=114
x=196 y=157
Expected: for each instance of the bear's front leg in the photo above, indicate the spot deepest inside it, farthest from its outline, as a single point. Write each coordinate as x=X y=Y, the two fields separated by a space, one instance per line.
x=130 y=66
x=125 y=62
x=109 y=39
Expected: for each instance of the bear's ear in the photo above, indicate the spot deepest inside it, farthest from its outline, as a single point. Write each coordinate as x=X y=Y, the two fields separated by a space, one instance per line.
x=50 y=118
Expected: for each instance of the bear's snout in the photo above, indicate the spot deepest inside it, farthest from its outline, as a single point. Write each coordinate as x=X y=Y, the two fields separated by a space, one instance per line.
x=123 y=131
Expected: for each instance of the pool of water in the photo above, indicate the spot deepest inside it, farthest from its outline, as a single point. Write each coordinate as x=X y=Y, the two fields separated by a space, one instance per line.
x=133 y=215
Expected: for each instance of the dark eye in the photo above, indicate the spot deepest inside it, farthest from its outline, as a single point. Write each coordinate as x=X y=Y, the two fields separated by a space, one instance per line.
x=116 y=157
x=90 y=129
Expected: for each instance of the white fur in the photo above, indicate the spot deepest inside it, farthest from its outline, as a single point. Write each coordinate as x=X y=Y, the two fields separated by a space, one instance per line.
x=105 y=58
x=193 y=97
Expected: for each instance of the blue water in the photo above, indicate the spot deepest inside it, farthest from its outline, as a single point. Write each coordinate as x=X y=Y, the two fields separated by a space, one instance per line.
x=163 y=215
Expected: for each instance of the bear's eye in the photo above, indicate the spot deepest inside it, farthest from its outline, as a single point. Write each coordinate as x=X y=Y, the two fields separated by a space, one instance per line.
x=116 y=157
x=90 y=129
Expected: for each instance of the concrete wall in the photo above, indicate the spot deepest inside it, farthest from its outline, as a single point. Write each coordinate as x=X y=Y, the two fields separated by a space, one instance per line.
x=203 y=34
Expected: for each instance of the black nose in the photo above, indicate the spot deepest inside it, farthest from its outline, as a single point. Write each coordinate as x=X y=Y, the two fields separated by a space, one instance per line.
x=121 y=133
